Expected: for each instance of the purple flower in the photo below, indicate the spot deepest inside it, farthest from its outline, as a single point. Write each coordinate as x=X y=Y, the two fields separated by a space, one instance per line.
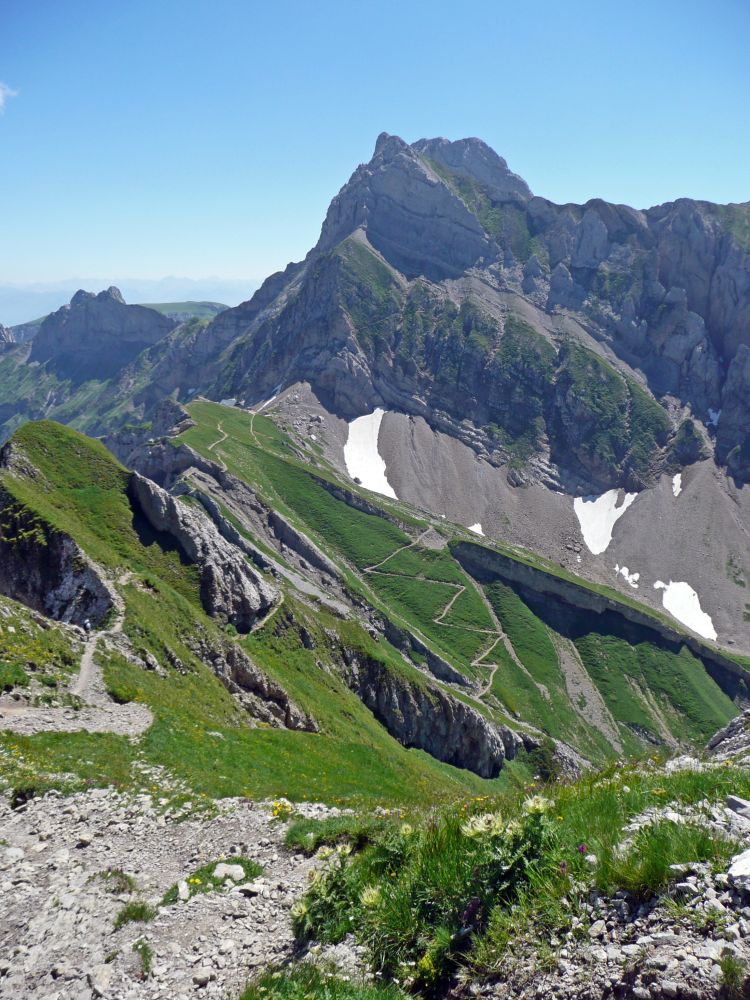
x=582 y=849
x=564 y=867
x=471 y=911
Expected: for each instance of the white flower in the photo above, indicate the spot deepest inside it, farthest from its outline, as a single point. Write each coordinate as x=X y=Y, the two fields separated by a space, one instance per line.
x=370 y=896
x=486 y=824
x=536 y=804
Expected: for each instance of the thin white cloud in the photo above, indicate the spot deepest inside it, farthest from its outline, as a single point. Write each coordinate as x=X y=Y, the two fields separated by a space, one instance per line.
x=6 y=92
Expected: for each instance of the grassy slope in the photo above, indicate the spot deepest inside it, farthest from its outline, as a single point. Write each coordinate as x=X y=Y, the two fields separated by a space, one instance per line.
x=82 y=493
x=642 y=686
x=29 y=651
x=645 y=687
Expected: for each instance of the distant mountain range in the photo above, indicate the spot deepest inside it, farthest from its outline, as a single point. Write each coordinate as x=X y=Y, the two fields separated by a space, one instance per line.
x=23 y=303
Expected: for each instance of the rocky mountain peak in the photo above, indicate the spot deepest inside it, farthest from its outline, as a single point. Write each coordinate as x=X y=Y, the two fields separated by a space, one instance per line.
x=474 y=159
x=111 y=294
x=387 y=146
x=410 y=214
x=96 y=334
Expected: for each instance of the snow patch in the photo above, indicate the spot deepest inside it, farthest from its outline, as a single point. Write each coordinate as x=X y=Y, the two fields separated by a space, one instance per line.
x=713 y=417
x=476 y=528
x=597 y=517
x=677 y=484
x=361 y=455
x=631 y=578
x=682 y=602
x=268 y=402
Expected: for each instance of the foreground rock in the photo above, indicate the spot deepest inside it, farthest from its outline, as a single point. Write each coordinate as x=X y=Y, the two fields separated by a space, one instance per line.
x=57 y=934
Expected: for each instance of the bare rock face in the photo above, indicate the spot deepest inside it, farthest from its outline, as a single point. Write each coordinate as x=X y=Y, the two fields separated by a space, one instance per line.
x=96 y=335
x=430 y=719
x=476 y=161
x=229 y=586
x=262 y=697
x=45 y=569
x=733 y=437
x=733 y=741
x=6 y=336
x=416 y=222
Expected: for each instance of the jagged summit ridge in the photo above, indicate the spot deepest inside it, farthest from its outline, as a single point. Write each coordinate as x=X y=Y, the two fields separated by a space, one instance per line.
x=410 y=215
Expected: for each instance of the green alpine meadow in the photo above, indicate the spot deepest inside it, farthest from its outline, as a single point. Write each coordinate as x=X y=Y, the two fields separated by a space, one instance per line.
x=374 y=509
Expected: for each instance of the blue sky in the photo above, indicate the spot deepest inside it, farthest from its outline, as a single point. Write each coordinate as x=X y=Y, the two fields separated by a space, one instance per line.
x=183 y=137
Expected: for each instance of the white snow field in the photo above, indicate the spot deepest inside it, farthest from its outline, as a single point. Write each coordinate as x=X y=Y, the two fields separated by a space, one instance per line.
x=361 y=455
x=677 y=484
x=682 y=602
x=476 y=528
x=597 y=517
x=632 y=578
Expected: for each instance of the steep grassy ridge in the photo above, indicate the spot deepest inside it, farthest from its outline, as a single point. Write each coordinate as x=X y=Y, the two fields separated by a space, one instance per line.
x=199 y=735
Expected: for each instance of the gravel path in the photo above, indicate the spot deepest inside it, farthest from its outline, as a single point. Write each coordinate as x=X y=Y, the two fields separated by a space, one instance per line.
x=98 y=713
x=57 y=936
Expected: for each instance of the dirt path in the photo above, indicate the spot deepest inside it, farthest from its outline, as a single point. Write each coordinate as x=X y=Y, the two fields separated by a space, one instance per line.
x=220 y=439
x=98 y=713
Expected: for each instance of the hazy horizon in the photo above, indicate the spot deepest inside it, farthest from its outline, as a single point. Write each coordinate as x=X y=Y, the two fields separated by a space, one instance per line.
x=23 y=302
x=183 y=139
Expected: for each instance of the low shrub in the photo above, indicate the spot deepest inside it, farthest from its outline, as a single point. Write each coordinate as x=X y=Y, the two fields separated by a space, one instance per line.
x=416 y=899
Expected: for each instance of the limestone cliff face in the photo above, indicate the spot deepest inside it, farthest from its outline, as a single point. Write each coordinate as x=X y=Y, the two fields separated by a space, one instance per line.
x=45 y=569
x=263 y=698
x=430 y=719
x=95 y=336
x=230 y=587
x=410 y=216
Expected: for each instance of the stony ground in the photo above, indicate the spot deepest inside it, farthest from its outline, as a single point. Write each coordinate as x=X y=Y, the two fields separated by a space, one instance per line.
x=693 y=943
x=57 y=934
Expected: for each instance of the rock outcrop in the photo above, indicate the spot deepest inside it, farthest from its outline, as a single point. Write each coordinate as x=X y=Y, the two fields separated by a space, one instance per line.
x=95 y=336
x=230 y=587
x=262 y=697
x=45 y=569
x=429 y=718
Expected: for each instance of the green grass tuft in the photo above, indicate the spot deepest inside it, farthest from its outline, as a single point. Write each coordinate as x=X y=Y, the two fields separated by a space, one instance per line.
x=134 y=912
x=204 y=880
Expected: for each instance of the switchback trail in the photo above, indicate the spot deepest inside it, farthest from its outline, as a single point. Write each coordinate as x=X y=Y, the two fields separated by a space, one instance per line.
x=220 y=439
x=494 y=635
